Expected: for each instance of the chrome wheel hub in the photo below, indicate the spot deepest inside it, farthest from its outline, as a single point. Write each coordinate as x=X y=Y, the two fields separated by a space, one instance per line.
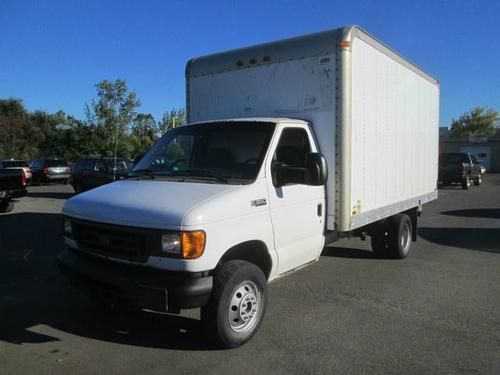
x=244 y=307
x=405 y=238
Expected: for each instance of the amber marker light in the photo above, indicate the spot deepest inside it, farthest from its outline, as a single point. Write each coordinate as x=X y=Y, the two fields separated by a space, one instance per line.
x=193 y=244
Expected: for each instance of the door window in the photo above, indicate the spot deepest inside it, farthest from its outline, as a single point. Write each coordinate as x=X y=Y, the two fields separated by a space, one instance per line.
x=292 y=149
x=88 y=165
x=100 y=166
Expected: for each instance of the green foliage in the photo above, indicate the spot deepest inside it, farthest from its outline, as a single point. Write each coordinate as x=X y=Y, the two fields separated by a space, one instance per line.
x=112 y=125
x=144 y=133
x=18 y=135
x=175 y=117
x=111 y=116
x=480 y=122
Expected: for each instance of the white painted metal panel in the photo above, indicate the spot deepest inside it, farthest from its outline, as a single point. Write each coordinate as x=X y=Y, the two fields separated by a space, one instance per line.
x=299 y=88
x=395 y=125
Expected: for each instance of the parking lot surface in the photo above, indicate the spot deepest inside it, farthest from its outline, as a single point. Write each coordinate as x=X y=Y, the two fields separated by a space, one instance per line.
x=437 y=311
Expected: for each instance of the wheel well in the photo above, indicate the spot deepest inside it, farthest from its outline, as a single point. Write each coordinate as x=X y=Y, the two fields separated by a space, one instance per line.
x=412 y=213
x=252 y=251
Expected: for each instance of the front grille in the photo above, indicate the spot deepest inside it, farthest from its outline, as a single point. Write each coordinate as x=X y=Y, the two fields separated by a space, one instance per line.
x=111 y=240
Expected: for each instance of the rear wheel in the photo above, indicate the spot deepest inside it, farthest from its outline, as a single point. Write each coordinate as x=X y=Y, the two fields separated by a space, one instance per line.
x=237 y=304
x=393 y=238
x=6 y=206
x=478 y=181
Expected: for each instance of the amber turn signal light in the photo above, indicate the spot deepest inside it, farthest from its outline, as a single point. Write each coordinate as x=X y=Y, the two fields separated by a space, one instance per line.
x=193 y=244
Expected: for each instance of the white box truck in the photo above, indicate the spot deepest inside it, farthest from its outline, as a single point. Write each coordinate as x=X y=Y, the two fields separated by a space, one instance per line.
x=289 y=146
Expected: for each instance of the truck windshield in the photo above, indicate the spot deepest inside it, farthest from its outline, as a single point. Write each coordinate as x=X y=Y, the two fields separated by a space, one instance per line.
x=221 y=152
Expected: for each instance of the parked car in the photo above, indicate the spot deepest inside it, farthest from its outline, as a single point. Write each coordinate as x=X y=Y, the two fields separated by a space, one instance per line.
x=89 y=173
x=18 y=164
x=12 y=185
x=50 y=170
x=459 y=168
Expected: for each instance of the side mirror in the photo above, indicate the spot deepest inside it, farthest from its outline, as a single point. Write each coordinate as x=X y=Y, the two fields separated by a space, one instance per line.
x=316 y=171
x=283 y=174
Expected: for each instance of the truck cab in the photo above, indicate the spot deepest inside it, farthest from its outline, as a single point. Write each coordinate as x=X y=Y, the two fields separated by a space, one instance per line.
x=246 y=190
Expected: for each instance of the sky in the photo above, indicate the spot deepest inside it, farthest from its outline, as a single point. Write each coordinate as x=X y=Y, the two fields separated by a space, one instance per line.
x=52 y=53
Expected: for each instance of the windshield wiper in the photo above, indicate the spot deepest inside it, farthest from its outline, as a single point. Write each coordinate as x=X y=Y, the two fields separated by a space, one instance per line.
x=141 y=174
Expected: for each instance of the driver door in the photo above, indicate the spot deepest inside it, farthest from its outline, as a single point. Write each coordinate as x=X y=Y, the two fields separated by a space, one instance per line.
x=297 y=210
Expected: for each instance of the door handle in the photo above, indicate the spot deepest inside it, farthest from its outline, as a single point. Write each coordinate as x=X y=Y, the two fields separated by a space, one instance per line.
x=320 y=210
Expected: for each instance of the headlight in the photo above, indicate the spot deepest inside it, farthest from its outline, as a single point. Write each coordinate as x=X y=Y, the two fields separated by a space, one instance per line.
x=171 y=244
x=186 y=245
x=67 y=226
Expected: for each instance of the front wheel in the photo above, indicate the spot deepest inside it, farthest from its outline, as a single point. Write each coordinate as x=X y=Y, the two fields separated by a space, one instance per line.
x=78 y=188
x=466 y=183
x=237 y=304
x=478 y=181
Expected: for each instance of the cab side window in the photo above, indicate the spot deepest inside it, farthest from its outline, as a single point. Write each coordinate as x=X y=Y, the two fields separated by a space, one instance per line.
x=292 y=149
x=100 y=166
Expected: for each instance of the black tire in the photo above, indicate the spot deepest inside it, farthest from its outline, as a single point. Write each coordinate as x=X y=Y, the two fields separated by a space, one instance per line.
x=399 y=236
x=6 y=206
x=478 y=181
x=466 y=183
x=392 y=239
x=230 y=329
x=78 y=188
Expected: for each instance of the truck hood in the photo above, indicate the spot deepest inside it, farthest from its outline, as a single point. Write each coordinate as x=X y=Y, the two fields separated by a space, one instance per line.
x=144 y=203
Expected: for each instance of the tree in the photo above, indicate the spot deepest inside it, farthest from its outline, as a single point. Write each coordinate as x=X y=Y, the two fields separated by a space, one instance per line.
x=144 y=132
x=480 y=122
x=19 y=138
x=171 y=119
x=111 y=116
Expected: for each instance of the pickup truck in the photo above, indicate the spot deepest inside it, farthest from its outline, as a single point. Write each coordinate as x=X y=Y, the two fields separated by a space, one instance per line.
x=12 y=185
x=459 y=168
x=290 y=145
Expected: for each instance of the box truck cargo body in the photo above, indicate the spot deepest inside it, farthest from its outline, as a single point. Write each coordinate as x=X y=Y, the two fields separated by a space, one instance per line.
x=288 y=145
x=375 y=115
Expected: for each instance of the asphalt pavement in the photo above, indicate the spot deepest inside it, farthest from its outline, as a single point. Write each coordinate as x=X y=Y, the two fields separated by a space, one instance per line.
x=437 y=311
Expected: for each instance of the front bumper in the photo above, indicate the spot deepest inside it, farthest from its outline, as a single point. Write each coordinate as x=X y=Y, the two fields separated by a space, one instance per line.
x=136 y=286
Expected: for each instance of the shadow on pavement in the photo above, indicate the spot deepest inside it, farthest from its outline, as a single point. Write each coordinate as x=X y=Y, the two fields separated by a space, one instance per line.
x=345 y=252
x=478 y=239
x=491 y=213
x=33 y=294
x=50 y=195
x=450 y=187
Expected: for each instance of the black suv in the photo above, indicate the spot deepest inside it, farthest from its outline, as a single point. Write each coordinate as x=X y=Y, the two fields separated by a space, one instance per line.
x=459 y=168
x=89 y=173
x=49 y=170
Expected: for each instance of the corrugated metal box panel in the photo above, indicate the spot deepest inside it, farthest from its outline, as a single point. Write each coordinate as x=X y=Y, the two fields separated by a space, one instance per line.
x=395 y=125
